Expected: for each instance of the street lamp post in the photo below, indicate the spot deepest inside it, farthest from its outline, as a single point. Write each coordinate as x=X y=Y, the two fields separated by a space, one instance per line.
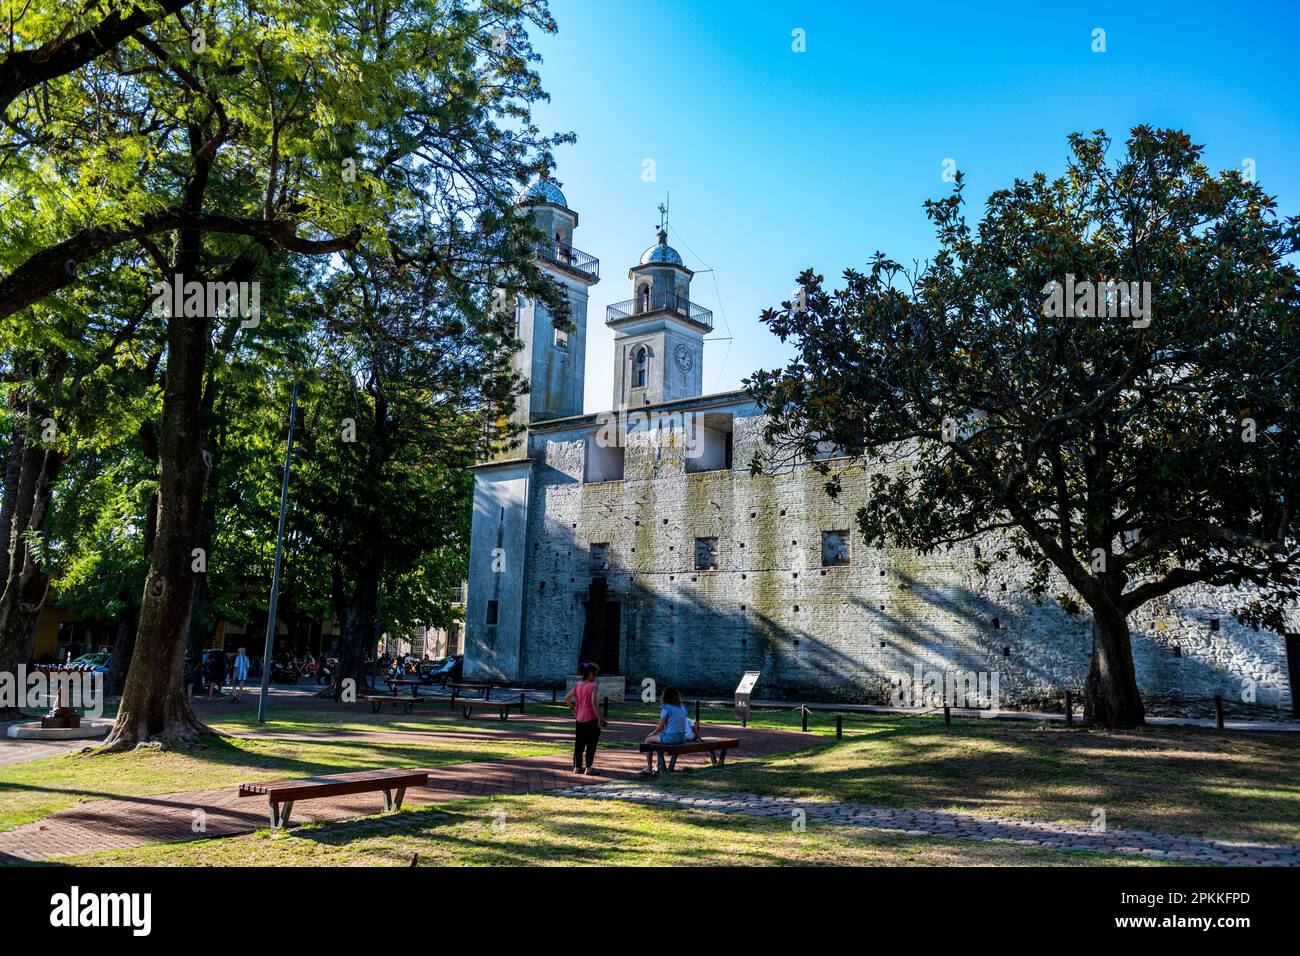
x=275 y=573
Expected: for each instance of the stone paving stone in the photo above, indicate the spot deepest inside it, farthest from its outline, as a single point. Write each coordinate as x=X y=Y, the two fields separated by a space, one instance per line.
x=965 y=826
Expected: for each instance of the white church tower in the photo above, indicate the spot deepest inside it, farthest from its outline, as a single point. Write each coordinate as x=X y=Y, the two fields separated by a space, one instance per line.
x=553 y=360
x=658 y=333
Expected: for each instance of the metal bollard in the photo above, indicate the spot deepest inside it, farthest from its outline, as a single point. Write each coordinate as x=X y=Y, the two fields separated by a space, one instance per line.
x=804 y=709
x=555 y=692
x=604 y=704
x=1218 y=711
x=697 y=711
x=1069 y=709
x=947 y=715
x=839 y=726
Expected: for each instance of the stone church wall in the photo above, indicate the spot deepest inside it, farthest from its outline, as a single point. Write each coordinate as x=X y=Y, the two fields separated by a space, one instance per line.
x=821 y=633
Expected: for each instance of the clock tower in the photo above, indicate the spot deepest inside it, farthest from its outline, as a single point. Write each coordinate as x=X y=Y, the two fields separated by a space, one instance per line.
x=658 y=333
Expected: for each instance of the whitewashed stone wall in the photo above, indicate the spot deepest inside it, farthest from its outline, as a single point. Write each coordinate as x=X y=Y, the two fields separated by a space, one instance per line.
x=820 y=633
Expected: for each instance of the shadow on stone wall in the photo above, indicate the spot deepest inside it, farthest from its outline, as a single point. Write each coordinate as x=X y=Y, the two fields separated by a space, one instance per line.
x=701 y=639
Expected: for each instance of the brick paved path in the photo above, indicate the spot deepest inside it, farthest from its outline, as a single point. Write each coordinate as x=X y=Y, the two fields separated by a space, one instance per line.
x=961 y=826
x=134 y=821
x=19 y=751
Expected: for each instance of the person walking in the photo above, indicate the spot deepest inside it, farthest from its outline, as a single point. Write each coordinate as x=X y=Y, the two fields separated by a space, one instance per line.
x=582 y=699
x=216 y=674
x=240 y=676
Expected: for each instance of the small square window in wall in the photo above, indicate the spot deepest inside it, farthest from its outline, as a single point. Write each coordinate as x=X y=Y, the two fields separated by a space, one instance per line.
x=706 y=554
x=561 y=338
x=491 y=613
x=835 y=549
x=599 y=557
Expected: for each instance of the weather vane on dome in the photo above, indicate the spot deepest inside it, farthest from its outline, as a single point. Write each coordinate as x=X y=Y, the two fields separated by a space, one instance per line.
x=663 y=212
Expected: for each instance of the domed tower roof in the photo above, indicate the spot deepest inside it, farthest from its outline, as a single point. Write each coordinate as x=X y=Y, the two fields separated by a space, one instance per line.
x=544 y=191
x=662 y=252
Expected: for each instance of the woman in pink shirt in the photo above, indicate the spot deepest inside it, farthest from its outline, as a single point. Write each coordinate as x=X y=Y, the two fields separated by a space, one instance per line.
x=582 y=699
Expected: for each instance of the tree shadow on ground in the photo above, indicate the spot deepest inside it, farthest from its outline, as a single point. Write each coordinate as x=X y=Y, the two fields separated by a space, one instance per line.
x=1175 y=779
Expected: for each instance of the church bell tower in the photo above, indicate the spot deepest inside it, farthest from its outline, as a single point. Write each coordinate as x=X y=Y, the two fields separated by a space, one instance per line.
x=658 y=333
x=554 y=359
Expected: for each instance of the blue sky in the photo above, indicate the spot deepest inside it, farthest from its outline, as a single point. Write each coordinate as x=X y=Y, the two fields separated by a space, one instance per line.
x=777 y=160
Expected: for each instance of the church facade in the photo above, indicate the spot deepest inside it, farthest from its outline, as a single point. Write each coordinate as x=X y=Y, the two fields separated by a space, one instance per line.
x=639 y=539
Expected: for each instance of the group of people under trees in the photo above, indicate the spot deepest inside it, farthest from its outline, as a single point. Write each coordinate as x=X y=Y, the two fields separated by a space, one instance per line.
x=215 y=669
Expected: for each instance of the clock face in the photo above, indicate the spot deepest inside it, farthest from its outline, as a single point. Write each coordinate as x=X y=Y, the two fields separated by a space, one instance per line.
x=682 y=355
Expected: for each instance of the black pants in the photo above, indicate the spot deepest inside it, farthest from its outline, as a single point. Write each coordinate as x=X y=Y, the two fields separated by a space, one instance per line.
x=586 y=734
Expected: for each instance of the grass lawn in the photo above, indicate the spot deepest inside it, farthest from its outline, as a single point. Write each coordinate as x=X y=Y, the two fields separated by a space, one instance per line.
x=538 y=830
x=1181 y=780
x=1175 y=779
x=311 y=742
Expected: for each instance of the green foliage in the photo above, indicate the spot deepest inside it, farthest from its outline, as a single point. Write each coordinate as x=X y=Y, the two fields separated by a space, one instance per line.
x=273 y=135
x=1116 y=451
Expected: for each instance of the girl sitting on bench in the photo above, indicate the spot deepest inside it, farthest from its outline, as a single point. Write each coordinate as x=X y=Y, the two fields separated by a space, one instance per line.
x=675 y=727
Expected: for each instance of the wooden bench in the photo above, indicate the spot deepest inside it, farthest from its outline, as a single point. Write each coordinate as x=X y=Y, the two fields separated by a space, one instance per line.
x=394 y=683
x=378 y=700
x=457 y=688
x=282 y=794
x=715 y=747
x=503 y=707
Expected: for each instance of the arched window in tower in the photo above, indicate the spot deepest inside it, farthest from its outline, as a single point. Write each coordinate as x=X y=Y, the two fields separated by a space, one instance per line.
x=641 y=367
x=643 y=299
x=683 y=298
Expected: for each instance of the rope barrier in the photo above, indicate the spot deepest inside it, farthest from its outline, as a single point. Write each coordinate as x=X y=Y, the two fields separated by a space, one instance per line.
x=810 y=715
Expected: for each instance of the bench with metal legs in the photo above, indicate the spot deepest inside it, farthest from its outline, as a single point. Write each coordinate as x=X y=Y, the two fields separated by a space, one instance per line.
x=282 y=794
x=715 y=747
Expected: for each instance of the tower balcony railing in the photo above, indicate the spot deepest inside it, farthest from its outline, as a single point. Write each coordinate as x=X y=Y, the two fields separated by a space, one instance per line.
x=660 y=302
x=559 y=254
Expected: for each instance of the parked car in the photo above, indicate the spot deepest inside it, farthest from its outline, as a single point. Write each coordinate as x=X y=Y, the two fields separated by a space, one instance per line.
x=94 y=663
x=429 y=668
x=447 y=671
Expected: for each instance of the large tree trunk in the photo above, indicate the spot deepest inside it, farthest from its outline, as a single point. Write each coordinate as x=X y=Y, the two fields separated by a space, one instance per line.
x=359 y=621
x=154 y=708
x=1111 y=697
x=201 y=629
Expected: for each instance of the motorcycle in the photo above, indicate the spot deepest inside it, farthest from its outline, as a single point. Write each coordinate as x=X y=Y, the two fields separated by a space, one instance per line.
x=284 y=673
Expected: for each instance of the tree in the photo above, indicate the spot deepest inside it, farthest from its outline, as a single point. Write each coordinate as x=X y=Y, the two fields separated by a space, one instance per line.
x=222 y=134
x=417 y=383
x=73 y=380
x=1136 y=437
x=66 y=39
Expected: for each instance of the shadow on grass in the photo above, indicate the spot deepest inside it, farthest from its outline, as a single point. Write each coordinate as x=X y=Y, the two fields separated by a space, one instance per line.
x=1184 y=779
